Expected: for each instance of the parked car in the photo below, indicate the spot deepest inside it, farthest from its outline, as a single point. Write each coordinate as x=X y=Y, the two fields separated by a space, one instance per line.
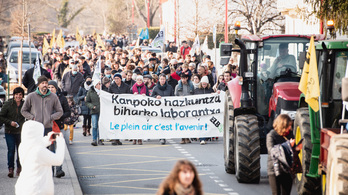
x=12 y=62
x=17 y=44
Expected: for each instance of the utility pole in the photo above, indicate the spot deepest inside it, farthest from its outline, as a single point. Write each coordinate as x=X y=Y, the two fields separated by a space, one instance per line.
x=132 y=11
x=175 y=21
x=148 y=13
x=226 y=26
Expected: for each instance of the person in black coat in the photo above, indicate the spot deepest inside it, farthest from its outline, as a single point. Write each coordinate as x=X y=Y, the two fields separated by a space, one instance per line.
x=53 y=87
x=28 y=80
x=85 y=66
x=81 y=95
x=162 y=88
x=204 y=87
x=118 y=86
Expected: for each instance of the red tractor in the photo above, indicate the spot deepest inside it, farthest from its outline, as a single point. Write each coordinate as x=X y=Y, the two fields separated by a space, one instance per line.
x=267 y=63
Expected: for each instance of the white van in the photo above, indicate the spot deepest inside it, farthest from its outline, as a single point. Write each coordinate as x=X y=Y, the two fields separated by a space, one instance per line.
x=12 y=62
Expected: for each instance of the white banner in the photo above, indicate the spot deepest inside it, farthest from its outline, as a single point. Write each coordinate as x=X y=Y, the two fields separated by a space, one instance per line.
x=128 y=116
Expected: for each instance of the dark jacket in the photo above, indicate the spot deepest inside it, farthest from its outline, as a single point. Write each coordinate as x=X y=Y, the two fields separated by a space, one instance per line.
x=86 y=69
x=81 y=101
x=124 y=88
x=66 y=110
x=222 y=87
x=273 y=138
x=203 y=90
x=172 y=82
x=92 y=99
x=58 y=72
x=28 y=80
x=71 y=84
x=130 y=83
x=11 y=112
x=165 y=90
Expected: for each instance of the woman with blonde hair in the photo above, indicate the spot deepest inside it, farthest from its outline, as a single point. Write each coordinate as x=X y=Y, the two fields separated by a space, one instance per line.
x=183 y=180
x=280 y=143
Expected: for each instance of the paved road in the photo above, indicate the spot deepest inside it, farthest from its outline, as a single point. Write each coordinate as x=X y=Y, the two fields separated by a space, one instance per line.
x=139 y=169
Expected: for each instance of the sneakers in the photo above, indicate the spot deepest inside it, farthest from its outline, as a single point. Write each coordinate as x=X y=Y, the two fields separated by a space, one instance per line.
x=10 y=172
x=202 y=142
x=60 y=174
x=163 y=141
x=94 y=143
x=70 y=142
x=100 y=142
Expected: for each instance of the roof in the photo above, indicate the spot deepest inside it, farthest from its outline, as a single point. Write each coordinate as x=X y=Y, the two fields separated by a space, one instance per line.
x=317 y=37
x=333 y=44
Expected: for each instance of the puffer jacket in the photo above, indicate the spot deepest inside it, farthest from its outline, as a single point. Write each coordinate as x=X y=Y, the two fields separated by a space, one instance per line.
x=11 y=112
x=281 y=155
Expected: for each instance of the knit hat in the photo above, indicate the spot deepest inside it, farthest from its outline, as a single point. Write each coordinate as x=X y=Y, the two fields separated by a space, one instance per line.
x=105 y=80
x=41 y=79
x=204 y=79
x=95 y=82
x=118 y=75
x=54 y=83
x=140 y=77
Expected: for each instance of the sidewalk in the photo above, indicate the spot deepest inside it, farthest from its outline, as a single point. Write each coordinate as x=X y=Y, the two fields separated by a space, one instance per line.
x=68 y=184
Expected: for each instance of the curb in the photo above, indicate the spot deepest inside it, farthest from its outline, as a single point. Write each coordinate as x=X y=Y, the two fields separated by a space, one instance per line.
x=74 y=181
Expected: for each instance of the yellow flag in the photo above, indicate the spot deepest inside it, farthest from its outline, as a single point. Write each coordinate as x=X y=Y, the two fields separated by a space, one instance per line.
x=94 y=34
x=45 y=46
x=60 y=40
x=78 y=36
x=309 y=83
x=100 y=42
x=53 y=39
x=84 y=41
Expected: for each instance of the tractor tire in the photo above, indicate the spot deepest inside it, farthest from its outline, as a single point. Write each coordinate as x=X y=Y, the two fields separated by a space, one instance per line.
x=228 y=136
x=337 y=175
x=305 y=184
x=247 y=147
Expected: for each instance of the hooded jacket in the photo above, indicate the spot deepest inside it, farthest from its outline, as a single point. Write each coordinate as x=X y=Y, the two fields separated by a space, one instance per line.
x=37 y=161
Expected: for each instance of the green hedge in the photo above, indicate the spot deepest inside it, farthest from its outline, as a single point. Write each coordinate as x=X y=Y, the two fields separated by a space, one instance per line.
x=153 y=31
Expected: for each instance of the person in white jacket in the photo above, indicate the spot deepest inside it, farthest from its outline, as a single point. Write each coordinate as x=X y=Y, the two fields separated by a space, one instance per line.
x=37 y=160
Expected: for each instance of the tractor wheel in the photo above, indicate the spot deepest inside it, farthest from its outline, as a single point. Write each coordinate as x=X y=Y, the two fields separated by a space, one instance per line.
x=228 y=136
x=247 y=147
x=305 y=184
x=337 y=175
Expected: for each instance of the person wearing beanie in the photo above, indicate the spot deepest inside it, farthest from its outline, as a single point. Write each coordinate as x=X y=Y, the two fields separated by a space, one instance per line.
x=85 y=111
x=93 y=103
x=72 y=81
x=13 y=121
x=53 y=87
x=118 y=87
x=28 y=80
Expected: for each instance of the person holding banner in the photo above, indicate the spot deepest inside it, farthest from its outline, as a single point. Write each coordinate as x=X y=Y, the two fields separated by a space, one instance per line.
x=93 y=103
x=28 y=80
x=162 y=89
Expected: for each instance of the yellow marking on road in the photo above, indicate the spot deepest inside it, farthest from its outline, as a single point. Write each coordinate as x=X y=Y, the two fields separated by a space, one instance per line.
x=126 y=181
x=159 y=171
x=137 y=162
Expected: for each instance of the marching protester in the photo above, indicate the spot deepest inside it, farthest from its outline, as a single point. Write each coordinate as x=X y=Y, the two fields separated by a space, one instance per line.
x=185 y=49
x=85 y=111
x=72 y=81
x=93 y=103
x=28 y=80
x=70 y=121
x=223 y=84
x=182 y=180
x=11 y=116
x=196 y=79
x=149 y=83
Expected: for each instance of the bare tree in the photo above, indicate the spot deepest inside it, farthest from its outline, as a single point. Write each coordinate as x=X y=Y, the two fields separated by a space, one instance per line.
x=141 y=9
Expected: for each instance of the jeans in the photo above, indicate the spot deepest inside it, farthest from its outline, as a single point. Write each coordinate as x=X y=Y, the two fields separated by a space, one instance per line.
x=12 y=141
x=95 y=132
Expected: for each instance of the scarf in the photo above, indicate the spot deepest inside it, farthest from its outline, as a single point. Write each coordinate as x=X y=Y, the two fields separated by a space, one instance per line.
x=180 y=190
x=87 y=87
x=43 y=96
x=141 y=86
x=97 y=90
x=162 y=87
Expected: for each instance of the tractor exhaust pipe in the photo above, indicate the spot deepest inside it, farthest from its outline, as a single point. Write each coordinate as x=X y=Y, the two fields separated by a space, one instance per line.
x=245 y=99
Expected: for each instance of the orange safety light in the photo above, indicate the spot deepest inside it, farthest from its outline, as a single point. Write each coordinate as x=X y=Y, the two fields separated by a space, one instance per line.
x=237 y=25
x=330 y=24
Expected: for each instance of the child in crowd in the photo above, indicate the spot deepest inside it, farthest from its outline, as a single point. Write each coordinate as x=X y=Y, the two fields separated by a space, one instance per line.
x=72 y=119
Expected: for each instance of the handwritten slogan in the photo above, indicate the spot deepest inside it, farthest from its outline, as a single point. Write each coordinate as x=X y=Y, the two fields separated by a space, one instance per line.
x=128 y=116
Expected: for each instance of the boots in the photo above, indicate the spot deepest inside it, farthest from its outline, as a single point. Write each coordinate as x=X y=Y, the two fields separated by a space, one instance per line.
x=10 y=172
x=84 y=130
x=89 y=130
x=18 y=172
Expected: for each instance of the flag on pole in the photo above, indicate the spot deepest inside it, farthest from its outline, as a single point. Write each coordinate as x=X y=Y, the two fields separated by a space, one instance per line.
x=158 y=41
x=309 y=83
x=84 y=41
x=196 y=45
x=45 y=46
x=53 y=38
x=78 y=36
x=137 y=44
x=144 y=34
x=60 y=40
x=100 y=42
x=37 y=72
x=97 y=71
x=204 y=46
x=94 y=34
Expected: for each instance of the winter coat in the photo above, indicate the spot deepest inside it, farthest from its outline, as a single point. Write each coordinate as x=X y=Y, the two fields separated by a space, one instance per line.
x=86 y=69
x=172 y=82
x=222 y=86
x=81 y=100
x=130 y=83
x=28 y=80
x=65 y=106
x=92 y=99
x=163 y=91
x=74 y=115
x=184 y=51
x=43 y=108
x=123 y=88
x=273 y=139
x=11 y=112
x=58 y=72
x=184 y=90
x=71 y=84
x=37 y=161
x=281 y=159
